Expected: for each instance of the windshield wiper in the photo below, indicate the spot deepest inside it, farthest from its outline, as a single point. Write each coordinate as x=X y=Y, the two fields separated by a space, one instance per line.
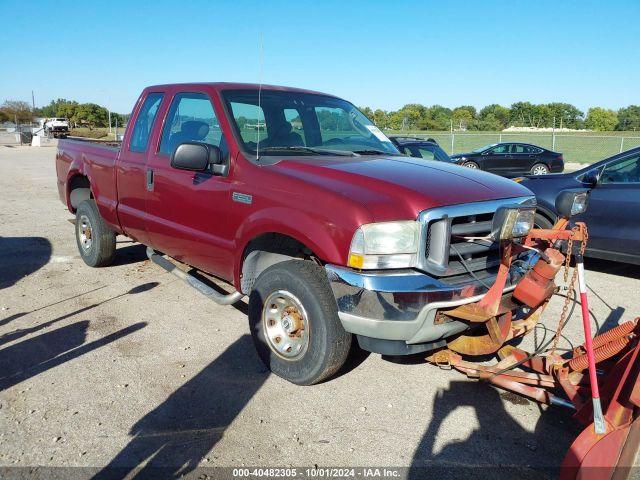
x=316 y=151
x=371 y=152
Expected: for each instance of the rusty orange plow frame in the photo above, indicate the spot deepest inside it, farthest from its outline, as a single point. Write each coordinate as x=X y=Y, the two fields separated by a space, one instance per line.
x=599 y=376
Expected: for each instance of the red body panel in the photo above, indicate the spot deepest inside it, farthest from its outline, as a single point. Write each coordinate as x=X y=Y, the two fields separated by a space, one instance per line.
x=320 y=201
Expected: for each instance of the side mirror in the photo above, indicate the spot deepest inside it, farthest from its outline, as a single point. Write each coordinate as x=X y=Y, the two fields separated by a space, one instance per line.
x=572 y=202
x=197 y=157
x=592 y=177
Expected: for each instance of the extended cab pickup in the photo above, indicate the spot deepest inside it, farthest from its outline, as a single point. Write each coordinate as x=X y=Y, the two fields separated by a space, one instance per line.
x=299 y=202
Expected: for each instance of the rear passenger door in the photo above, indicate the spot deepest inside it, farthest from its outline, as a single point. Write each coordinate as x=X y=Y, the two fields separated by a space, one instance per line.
x=188 y=210
x=520 y=160
x=131 y=171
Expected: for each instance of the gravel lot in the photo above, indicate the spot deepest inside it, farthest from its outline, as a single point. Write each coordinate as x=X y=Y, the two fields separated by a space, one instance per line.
x=125 y=366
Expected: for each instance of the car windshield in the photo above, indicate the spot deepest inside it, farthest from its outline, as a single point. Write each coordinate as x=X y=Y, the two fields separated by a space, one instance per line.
x=275 y=122
x=479 y=150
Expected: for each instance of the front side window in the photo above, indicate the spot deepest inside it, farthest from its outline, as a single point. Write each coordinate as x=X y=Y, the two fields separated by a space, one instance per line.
x=274 y=122
x=144 y=123
x=501 y=149
x=626 y=170
x=191 y=118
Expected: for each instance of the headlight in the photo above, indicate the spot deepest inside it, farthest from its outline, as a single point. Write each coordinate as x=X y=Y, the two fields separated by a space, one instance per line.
x=385 y=245
x=512 y=222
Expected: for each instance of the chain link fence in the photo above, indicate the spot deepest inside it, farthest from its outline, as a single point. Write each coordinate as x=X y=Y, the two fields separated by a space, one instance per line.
x=578 y=148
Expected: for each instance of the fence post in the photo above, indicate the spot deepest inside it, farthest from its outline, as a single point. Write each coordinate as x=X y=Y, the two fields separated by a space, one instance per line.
x=553 y=135
x=500 y=138
x=621 y=144
x=452 y=137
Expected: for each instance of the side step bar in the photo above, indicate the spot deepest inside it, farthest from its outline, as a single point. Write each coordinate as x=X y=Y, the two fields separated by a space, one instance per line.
x=203 y=288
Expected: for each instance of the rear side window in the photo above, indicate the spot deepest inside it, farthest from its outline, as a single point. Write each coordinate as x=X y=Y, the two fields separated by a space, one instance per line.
x=190 y=119
x=144 y=123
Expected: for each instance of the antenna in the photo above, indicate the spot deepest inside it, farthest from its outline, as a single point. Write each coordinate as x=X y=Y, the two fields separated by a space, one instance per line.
x=260 y=62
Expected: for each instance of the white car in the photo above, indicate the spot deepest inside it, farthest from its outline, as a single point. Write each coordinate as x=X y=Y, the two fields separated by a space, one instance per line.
x=57 y=127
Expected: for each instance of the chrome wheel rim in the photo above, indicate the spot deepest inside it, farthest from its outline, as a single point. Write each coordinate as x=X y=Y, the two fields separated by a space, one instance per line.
x=286 y=325
x=85 y=232
x=540 y=170
x=471 y=165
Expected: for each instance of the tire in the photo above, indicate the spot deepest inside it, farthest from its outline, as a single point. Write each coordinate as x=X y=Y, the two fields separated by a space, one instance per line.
x=472 y=165
x=539 y=169
x=298 y=290
x=541 y=221
x=98 y=248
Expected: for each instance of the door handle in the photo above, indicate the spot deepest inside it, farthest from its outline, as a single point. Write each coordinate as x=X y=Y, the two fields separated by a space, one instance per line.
x=149 y=180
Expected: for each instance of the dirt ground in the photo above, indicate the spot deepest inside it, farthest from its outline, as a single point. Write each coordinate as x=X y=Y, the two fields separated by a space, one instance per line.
x=126 y=366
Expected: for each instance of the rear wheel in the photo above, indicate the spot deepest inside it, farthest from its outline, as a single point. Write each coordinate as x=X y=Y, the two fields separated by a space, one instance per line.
x=539 y=169
x=472 y=165
x=294 y=323
x=96 y=242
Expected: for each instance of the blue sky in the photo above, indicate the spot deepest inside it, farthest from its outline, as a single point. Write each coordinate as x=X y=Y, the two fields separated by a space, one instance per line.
x=379 y=54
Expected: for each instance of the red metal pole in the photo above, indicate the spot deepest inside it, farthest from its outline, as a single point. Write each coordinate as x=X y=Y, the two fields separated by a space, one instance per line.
x=598 y=417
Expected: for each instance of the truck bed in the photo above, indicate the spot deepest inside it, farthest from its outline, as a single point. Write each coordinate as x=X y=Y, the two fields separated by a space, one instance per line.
x=92 y=162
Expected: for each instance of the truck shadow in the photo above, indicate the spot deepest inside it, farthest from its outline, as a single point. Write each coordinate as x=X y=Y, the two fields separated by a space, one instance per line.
x=499 y=447
x=29 y=358
x=171 y=440
x=21 y=256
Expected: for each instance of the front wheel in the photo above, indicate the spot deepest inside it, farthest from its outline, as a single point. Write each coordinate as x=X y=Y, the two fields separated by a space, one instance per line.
x=539 y=169
x=472 y=165
x=293 y=318
x=96 y=242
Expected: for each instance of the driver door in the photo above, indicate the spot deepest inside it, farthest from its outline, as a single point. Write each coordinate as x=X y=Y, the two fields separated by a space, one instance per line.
x=187 y=211
x=498 y=159
x=613 y=212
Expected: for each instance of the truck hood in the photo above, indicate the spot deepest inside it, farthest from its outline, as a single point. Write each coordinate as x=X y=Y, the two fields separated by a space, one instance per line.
x=395 y=187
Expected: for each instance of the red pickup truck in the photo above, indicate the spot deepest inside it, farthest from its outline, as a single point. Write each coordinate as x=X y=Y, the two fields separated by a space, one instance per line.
x=302 y=204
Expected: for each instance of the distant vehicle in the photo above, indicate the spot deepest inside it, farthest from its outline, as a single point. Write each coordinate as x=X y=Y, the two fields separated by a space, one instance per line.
x=56 y=127
x=421 y=148
x=613 y=216
x=511 y=159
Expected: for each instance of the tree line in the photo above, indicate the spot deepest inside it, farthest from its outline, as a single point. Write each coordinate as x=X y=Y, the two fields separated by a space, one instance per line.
x=497 y=117
x=89 y=115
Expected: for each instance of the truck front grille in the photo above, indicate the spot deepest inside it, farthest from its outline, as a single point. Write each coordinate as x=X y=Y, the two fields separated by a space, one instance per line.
x=446 y=252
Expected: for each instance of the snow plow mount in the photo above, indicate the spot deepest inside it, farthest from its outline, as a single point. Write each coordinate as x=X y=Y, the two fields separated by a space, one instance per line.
x=607 y=447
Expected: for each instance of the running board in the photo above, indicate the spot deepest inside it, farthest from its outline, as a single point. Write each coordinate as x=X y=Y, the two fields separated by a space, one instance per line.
x=200 y=286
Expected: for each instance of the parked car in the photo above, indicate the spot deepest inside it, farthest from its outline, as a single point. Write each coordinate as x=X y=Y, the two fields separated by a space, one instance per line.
x=56 y=127
x=512 y=159
x=330 y=233
x=613 y=216
x=420 y=148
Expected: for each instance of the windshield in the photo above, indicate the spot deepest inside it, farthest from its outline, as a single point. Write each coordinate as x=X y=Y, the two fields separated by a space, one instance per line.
x=293 y=123
x=478 y=150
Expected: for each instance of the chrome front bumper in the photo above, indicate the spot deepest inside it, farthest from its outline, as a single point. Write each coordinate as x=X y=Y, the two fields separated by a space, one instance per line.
x=402 y=305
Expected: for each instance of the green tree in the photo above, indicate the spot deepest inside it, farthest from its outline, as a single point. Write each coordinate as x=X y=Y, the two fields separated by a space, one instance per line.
x=381 y=118
x=17 y=110
x=629 y=118
x=494 y=116
x=565 y=114
x=601 y=119
x=463 y=117
x=92 y=115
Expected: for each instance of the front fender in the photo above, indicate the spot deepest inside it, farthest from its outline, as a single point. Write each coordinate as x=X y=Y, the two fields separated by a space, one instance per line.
x=327 y=240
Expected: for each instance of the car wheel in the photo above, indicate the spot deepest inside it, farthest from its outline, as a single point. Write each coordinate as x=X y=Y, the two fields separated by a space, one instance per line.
x=293 y=318
x=96 y=242
x=541 y=221
x=473 y=165
x=539 y=169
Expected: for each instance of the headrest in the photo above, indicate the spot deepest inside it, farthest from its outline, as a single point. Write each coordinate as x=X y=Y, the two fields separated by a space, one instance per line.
x=195 y=129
